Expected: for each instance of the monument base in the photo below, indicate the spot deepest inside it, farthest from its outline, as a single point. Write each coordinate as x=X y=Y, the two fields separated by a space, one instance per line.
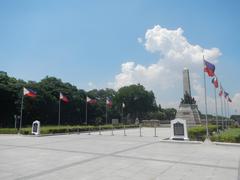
x=190 y=113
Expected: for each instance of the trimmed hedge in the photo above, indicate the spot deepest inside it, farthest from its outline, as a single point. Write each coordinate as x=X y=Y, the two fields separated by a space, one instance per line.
x=230 y=135
x=198 y=133
x=8 y=131
x=62 y=129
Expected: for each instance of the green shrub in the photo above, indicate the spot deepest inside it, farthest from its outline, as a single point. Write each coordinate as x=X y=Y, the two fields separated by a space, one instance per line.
x=230 y=135
x=8 y=131
x=198 y=133
x=62 y=129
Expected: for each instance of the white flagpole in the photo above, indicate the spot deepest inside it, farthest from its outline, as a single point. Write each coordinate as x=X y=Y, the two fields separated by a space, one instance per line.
x=221 y=107
x=86 y=113
x=106 y=111
x=59 y=111
x=20 y=124
x=216 y=107
x=225 y=111
x=228 y=113
x=205 y=94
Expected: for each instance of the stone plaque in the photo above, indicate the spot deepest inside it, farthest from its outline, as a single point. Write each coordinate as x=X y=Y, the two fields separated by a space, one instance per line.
x=36 y=127
x=179 y=129
x=186 y=113
x=115 y=121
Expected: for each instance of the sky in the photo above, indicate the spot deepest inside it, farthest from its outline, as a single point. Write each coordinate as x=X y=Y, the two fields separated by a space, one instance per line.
x=110 y=44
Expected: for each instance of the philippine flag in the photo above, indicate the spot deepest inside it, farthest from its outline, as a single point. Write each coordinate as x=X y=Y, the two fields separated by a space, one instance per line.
x=91 y=101
x=221 y=91
x=209 y=68
x=29 y=92
x=225 y=94
x=229 y=100
x=63 y=98
x=109 y=102
x=215 y=82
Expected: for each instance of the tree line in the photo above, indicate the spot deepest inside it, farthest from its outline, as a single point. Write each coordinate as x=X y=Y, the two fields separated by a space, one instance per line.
x=138 y=103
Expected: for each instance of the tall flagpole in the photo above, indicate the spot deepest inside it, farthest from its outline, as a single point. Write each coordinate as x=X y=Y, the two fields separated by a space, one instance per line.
x=20 y=124
x=224 y=104
x=228 y=112
x=106 y=112
x=86 y=113
x=216 y=107
x=221 y=107
x=205 y=94
x=59 y=111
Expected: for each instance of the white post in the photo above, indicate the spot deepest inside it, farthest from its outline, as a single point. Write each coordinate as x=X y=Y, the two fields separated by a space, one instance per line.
x=140 y=129
x=155 y=130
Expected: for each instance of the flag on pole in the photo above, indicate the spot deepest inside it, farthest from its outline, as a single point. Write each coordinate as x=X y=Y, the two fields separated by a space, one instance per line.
x=28 y=92
x=108 y=102
x=91 y=101
x=229 y=100
x=221 y=91
x=63 y=98
x=209 y=68
x=215 y=82
x=123 y=105
x=225 y=94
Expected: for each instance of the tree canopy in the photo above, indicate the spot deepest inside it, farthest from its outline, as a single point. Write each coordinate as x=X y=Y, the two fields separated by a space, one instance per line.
x=138 y=102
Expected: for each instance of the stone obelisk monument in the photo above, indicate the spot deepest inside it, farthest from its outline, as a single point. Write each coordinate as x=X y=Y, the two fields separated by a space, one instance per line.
x=188 y=108
x=186 y=82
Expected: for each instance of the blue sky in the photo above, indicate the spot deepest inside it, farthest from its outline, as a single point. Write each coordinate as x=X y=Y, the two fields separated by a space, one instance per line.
x=88 y=41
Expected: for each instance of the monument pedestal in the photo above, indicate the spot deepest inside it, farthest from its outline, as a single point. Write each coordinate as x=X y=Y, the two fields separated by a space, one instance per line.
x=190 y=113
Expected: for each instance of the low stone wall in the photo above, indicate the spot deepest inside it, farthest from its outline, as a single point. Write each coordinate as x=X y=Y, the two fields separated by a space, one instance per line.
x=151 y=123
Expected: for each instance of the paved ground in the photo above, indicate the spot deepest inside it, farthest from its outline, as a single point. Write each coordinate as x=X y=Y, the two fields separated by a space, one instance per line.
x=106 y=157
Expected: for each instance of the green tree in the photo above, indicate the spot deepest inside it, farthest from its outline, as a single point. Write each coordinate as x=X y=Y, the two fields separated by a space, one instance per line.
x=138 y=101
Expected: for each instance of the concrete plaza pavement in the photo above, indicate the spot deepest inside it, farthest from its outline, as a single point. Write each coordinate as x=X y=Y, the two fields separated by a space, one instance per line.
x=118 y=157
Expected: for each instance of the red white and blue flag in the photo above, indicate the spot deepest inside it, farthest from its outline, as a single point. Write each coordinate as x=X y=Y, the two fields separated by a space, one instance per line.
x=215 y=82
x=209 y=68
x=225 y=94
x=63 y=98
x=229 y=100
x=29 y=92
x=109 y=102
x=221 y=91
x=91 y=101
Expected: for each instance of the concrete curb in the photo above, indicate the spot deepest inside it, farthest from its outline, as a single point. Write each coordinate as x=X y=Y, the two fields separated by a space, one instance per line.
x=227 y=144
x=183 y=142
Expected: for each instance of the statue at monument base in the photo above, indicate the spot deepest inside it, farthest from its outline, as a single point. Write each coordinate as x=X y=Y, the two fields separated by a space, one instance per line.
x=190 y=113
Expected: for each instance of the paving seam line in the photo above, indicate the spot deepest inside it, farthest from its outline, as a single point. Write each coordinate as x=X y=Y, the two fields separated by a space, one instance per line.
x=38 y=174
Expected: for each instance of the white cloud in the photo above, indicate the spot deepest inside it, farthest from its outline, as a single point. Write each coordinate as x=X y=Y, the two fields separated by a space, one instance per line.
x=165 y=76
